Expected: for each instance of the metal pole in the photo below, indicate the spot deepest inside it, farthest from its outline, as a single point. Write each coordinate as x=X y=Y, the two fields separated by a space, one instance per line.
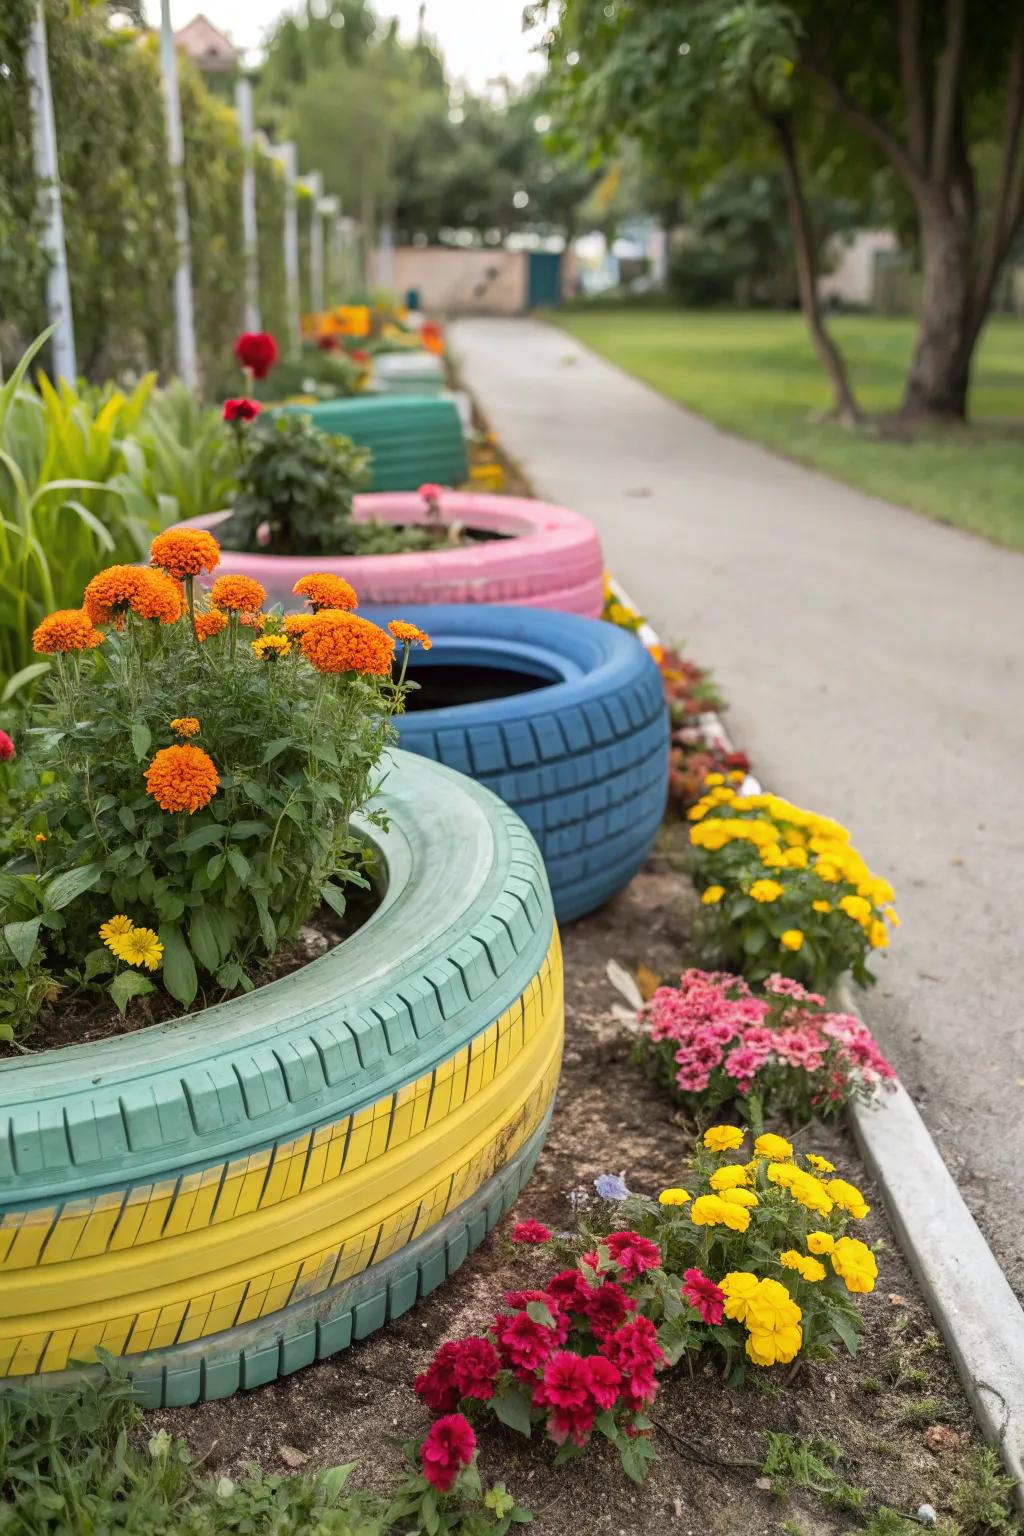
x=44 y=159
x=183 y=321
x=285 y=155
x=250 y=240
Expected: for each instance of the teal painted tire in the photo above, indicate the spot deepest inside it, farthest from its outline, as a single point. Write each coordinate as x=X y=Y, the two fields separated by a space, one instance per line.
x=414 y=439
x=210 y=1184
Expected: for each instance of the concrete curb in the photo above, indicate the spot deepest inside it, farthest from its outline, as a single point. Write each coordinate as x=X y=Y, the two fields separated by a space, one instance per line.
x=968 y=1295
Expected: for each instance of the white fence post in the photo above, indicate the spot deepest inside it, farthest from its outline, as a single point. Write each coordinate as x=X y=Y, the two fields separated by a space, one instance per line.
x=44 y=154
x=183 y=319
x=284 y=154
x=250 y=238
x=314 y=185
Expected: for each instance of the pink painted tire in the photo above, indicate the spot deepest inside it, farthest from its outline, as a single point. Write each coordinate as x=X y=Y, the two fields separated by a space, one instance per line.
x=550 y=557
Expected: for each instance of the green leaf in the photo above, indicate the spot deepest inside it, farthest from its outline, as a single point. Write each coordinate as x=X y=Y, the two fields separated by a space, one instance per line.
x=202 y=837
x=21 y=939
x=276 y=747
x=541 y=1314
x=98 y=962
x=22 y=679
x=169 y=905
x=332 y=1481
x=63 y=888
x=847 y=1330
x=635 y=1456
x=142 y=739
x=239 y=863
x=126 y=816
x=244 y=829
x=334 y=898
x=267 y=929
x=179 y=967
x=203 y=939
x=126 y=985
x=513 y=1408
x=754 y=940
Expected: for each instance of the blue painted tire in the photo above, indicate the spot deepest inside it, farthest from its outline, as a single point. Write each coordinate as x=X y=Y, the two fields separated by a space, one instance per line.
x=583 y=757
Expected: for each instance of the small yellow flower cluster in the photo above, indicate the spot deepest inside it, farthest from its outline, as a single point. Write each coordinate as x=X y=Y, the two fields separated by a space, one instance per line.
x=769 y=1314
x=135 y=946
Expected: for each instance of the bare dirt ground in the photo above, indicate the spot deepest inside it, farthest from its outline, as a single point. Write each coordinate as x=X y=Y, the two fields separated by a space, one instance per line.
x=896 y=1411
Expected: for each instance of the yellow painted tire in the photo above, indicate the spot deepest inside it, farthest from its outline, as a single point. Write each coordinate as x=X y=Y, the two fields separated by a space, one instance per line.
x=228 y=1197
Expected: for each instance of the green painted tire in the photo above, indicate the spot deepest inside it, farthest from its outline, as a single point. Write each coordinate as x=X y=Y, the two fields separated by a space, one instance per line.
x=414 y=439
x=226 y=1197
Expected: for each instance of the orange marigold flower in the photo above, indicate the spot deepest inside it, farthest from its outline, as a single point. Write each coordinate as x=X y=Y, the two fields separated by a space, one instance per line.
x=210 y=623
x=253 y=620
x=185 y=725
x=270 y=647
x=409 y=634
x=69 y=629
x=132 y=588
x=342 y=642
x=185 y=551
x=296 y=624
x=182 y=778
x=238 y=594
x=322 y=590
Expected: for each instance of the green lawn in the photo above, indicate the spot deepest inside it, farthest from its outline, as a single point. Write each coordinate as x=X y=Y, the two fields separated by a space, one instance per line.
x=756 y=374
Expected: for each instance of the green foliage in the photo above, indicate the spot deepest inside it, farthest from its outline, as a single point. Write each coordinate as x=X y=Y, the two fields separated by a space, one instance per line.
x=299 y=482
x=80 y=1460
x=189 y=458
x=226 y=886
x=323 y=374
x=981 y=1499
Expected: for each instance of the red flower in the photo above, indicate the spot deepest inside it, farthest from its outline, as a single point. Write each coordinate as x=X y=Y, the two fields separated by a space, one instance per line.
x=476 y=1367
x=6 y=747
x=607 y=1306
x=704 y=1295
x=359 y=356
x=603 y=1381
x=530 y=1232
x=571 y=1424
x=447 y=1447
x=430 y=492
x=437 y=1385
x=634 y=1350
x=569 y=1290
x=737 y=760
x=520 y=1300
x=566 y=1382
x=257 y=352
x=631 y=1252
x=327 y=343
x=524 y=1344
x=241 y=409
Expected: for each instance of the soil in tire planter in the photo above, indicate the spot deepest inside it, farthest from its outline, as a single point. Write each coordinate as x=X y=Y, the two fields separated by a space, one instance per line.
x=444 y=684
x=879 y=1408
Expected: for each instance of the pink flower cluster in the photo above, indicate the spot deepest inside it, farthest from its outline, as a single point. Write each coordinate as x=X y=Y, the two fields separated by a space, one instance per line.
x=582 y=1353
x=716 y=1023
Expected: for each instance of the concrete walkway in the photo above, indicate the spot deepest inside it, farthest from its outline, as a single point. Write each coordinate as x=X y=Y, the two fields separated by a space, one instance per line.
x=874 y=665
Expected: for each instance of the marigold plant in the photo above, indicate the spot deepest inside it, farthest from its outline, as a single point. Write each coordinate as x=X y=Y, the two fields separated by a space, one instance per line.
x=782 y=1054
x=782 y=889
x=210 y=855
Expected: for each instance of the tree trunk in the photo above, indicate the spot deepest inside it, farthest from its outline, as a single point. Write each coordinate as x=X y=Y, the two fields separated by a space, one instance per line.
x=846 y=406
x=939 y=374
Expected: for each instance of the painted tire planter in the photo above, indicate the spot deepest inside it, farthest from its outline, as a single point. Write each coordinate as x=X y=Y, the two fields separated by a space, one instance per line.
x=546 y=557
x=228 y=1197
x=582 y=755
x=413 y=438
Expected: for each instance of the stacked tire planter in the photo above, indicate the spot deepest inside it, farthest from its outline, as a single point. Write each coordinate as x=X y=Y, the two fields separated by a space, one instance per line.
x=413 y=438
x=582 y=756
x=226 y=1198
x=537 y=555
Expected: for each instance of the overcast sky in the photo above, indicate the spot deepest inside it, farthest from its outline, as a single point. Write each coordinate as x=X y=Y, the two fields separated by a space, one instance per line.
x=480 y=39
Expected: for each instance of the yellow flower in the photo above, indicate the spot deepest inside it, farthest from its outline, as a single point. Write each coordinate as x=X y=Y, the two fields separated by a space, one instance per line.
x=847 y=1196
x=712 y=894
x=820 y=1242
x=185 y=725
x=737 y=776
x=855 y=907
x=807 y=1190
x=730 y=1176
x=796 y=858
x=766 y=890
x=739 y=1287
x=772 y=857
x=114 y=930
x=827 y=871
x=141 y=947
x=673 y=1197
x=711 y=779
x=723 y=1138
x=855 y=1265
x=775 y=1147
x=878 y=935
x=791 y=939
x=822 y=1164
x=810 y=1269
x=40 y=837
x=271 y=647
x=822 y=906
x=713 y=1211
x=890 y=915
x=773 y=1323
x=744 y=1197
x=776 y=1348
